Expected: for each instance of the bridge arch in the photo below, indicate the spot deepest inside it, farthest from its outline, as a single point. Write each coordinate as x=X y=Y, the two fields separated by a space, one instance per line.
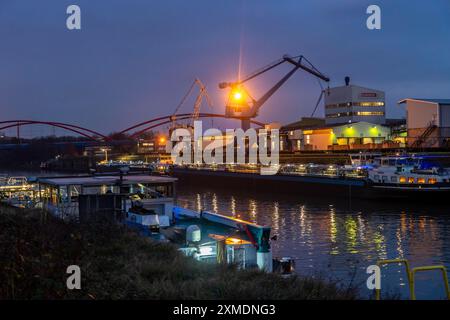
x=66 y=126
x=96 y=136
x=168 y=119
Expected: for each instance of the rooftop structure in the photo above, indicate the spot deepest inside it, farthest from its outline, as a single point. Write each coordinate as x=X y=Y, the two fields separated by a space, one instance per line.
x=75 y=196
x=105 y=180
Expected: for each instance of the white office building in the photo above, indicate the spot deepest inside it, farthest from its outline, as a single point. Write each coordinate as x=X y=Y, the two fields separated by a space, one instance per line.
x=350 y=103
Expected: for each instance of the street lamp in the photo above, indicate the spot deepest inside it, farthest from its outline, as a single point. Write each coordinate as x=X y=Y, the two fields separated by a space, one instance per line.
x=105 y=150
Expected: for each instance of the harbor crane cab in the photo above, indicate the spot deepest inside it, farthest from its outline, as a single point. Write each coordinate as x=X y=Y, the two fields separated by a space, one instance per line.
x=242 y=105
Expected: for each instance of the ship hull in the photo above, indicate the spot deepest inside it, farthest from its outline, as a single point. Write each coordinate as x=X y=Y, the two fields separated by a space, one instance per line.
x=329 y=187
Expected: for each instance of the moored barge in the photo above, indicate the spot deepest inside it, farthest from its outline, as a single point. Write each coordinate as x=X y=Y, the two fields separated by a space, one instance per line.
x=387 y=177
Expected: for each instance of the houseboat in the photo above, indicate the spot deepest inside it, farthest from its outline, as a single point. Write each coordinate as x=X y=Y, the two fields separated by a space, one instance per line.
x=148 y=204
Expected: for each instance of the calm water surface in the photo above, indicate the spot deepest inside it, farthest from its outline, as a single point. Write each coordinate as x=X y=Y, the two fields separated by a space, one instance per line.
x=338 y=239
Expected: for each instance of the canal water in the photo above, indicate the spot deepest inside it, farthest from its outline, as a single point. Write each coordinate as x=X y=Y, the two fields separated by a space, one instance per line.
x=337 y=240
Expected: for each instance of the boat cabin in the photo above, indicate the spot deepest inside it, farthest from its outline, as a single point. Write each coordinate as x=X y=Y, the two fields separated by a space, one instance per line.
x=70 y=196
x=409 y=170
x=363 y=158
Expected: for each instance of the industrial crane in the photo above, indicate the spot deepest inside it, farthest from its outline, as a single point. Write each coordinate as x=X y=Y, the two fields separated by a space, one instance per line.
x=198 y=101
x=241 y=104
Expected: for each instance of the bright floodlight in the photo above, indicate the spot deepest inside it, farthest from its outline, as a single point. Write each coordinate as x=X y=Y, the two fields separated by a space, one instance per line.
x=237 y=95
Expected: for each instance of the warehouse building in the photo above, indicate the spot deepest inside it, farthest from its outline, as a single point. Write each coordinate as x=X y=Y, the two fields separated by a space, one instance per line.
x=350 y=136
x=428 y=122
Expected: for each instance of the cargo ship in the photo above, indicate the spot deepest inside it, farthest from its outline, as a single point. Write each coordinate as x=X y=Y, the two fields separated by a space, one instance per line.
x=386 y=177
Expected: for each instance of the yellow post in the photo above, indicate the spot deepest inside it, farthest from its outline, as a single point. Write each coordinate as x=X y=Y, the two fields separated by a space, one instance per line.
x=408 y=274
x=429 y=268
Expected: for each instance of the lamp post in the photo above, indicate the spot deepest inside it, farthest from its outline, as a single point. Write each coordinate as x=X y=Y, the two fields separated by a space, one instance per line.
x=105 y=150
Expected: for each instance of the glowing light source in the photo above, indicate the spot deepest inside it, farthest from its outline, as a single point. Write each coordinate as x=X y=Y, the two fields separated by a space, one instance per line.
x=162 y=140
x=206 y=250
x=237 y=95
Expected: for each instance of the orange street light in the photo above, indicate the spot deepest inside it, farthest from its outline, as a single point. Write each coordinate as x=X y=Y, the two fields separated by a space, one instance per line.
x=237 y=95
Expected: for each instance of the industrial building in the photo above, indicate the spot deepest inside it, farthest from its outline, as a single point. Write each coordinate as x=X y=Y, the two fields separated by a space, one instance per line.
x=428 y=122
x=157 y=144
x=354 y=119
x=350 y=136
x=351 y=103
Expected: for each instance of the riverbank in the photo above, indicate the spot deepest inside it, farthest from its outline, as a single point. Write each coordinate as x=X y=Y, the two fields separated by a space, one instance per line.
x=116 y=263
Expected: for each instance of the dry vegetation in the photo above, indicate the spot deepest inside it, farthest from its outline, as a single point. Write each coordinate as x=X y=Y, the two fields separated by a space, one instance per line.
x=116 y=263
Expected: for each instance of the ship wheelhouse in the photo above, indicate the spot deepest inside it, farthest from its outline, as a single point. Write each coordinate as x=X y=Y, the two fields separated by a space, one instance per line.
x=404 y=171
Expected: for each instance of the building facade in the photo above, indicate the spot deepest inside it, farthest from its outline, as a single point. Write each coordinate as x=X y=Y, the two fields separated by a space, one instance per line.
x=428 y=122
x=352 y=103
x=349 y=136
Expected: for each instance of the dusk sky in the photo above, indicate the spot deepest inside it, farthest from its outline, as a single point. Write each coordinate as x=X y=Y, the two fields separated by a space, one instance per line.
x=134 y=59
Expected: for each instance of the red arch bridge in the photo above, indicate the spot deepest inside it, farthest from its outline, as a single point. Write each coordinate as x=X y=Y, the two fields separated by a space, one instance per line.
x=134 y=131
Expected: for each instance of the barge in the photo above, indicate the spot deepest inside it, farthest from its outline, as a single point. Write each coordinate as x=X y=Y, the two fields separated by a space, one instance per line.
x=385 y=177
x=285 y=183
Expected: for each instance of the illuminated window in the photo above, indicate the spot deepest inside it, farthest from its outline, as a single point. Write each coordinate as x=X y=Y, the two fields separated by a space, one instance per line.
x=402 y=179
x=411 y=180
x=356 y=104
x=369 y=104
x=369 y=113
x=420 y=180
x=432 y=180
x=356 y=113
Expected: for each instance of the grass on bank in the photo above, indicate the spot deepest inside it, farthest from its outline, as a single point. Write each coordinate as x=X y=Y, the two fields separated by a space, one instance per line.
x=116 y=263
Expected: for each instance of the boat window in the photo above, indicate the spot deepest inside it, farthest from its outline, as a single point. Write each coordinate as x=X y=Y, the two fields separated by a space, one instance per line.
x=420 y=180
x=376 y=177
x=411 y=179
x=402 y=179
x=393 y=179
x=384 y=178
x=432 y=180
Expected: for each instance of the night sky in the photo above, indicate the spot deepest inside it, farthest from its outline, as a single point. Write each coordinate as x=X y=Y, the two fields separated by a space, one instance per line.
x=134 y=60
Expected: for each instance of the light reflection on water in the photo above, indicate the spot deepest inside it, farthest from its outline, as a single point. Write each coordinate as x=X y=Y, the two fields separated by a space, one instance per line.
x=338 y=240
x=335 y=241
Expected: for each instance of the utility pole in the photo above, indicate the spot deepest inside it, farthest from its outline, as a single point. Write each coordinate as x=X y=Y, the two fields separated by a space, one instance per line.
x=18 y=133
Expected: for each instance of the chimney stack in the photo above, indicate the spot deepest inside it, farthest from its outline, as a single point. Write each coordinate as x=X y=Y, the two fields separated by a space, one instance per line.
x=347 y=80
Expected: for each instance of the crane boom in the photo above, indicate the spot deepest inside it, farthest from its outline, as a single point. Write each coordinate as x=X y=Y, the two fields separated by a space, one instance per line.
x=247 y=110
x=312 y=70
x=203 y=93
x=198 y=101
x=254 y=74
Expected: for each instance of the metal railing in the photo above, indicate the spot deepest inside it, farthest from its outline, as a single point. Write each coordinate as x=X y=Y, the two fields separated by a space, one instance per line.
x=411 y=276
